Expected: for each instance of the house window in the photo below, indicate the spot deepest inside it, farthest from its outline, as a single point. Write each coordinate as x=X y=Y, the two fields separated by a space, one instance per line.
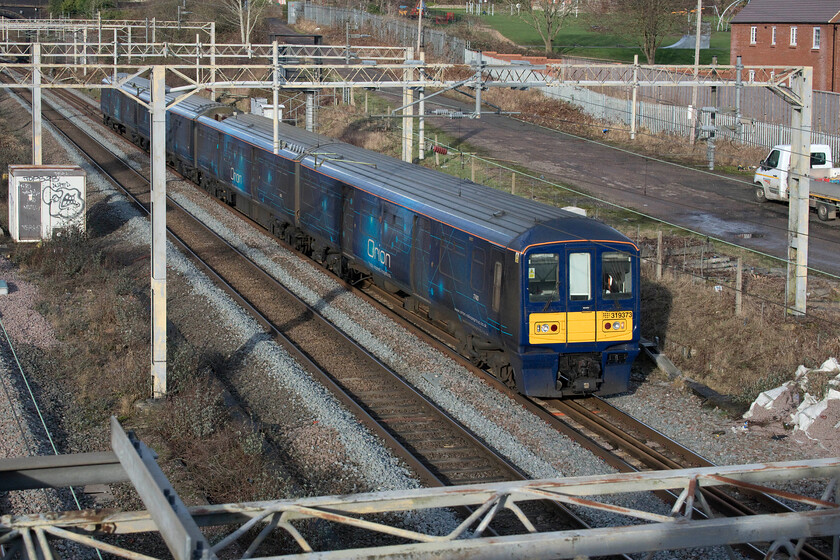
x=793 y=36
x=753 y=34
x=816 y=43
x=773 y=35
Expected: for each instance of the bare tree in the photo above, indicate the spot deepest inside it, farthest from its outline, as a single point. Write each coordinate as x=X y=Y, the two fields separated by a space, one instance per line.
x=547 y=17
x=243 y=14
x=645 y=22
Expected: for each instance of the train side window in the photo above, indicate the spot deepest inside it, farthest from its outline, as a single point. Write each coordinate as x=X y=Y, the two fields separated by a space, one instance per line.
x=580 y=277
x=477 y=270
x=617 y=272
x=544 y=277
x=497 y=285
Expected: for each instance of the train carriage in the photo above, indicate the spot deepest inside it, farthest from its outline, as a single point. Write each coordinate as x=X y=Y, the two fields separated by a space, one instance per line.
x=547 y=299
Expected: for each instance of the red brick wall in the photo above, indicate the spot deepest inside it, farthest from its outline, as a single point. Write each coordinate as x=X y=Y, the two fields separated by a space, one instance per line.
x=763 y=53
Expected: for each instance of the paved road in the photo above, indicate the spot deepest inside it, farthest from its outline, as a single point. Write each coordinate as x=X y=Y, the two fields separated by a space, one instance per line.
x=711 y=204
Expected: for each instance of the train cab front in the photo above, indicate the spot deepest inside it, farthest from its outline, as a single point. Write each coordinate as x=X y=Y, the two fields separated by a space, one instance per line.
x=580 y=324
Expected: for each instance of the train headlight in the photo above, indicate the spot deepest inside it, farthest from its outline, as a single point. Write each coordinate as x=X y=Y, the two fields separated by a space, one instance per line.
x=616 y=326
x=546 y=328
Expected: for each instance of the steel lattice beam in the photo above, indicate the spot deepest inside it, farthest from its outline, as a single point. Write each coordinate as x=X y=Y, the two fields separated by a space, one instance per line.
x=651 y=531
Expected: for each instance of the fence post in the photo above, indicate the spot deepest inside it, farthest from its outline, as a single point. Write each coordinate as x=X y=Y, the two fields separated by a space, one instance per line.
x=739 y=85
x=738 y=286
x=633 y=109
x=513 y=183
x=659 y=255
x=437 y=155
x=472 y=169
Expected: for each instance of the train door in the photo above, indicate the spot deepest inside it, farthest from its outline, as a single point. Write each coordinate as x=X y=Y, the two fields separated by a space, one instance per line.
x=348 y=222
x=421 y=257
x=580 y=296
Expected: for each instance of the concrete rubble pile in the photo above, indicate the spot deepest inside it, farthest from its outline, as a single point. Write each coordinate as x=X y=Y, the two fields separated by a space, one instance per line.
x=794 y=405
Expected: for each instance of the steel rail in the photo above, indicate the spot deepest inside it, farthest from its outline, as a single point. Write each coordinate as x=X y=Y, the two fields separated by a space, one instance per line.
x=426 y=476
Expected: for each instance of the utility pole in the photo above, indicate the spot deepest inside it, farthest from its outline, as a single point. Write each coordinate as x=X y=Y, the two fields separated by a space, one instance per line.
x=694 y=112
x=158 y=282
x=796 y=287
x=37 y=152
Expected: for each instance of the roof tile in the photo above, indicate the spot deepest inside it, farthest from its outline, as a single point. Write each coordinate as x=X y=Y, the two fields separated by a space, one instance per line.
x=785 y=11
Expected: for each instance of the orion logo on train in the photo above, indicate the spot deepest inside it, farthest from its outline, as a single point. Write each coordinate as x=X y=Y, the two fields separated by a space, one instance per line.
x=378 y=255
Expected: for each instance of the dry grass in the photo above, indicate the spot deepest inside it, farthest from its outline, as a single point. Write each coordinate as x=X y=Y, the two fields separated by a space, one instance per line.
x=740 y=355
x=349 y=124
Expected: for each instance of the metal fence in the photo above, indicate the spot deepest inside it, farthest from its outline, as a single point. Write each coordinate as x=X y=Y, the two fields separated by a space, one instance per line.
x=673 y=116
x=765 y=117
x=759 y=104
x=388 y=29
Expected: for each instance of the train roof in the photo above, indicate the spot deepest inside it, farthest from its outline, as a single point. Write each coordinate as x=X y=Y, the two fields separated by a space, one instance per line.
x=502 y=218
x=191 y=107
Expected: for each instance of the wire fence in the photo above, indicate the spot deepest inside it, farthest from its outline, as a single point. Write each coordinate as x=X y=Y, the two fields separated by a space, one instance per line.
x=668 y=112
x=764 y=117
x=436 y=42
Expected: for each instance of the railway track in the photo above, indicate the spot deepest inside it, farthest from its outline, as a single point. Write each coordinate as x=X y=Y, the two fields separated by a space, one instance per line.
x=622 y=441
x=436 y=447
x=413 y=426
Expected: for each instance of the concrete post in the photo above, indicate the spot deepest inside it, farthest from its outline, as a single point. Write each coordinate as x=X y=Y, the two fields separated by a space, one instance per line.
x=478 y=86
x=158 y=283
x=84 y=50
x=310 y=110
x=739 y=85
x=739 y=285
x=634 y=108
x=800 y=190
x=695 y=114
x=116 y=53
x=197 y=58
x=213 y=58
x=421 y=121
x=37 y=154
x=408 y=111
x=275 y=96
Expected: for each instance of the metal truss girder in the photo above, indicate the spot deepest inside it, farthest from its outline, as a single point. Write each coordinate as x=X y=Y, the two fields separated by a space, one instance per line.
x=621 y=75
x=60 y=471
x=70 y=25
x=673 y=535
x=174 y=522
x=259 y=52
x=664 y=533
x=304 y=77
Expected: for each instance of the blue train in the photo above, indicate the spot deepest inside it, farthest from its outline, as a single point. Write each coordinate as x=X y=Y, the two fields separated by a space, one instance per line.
x=546 y=299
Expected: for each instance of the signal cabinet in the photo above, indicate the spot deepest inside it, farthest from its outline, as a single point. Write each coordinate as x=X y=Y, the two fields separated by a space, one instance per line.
x=45 y=199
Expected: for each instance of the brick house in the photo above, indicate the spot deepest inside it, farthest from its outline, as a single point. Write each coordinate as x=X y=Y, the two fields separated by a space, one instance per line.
x=790 y=33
